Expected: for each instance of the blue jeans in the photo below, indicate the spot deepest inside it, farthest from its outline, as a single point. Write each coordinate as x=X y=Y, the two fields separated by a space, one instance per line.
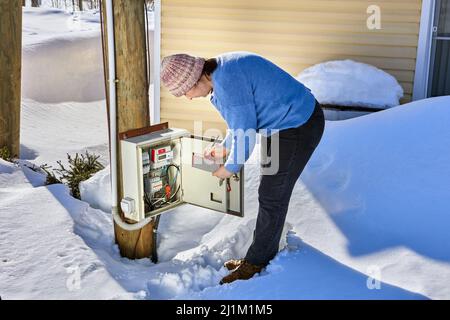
x=296 y=146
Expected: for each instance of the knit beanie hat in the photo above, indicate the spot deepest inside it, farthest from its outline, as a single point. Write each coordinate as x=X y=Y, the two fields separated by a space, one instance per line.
x=180 y=72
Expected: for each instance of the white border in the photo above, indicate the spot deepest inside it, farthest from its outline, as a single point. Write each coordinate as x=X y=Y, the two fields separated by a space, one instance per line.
x=422 y=73
x=156 y=107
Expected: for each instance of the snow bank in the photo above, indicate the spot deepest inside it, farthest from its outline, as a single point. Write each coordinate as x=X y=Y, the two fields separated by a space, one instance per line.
x=41 y=24
x=50 y=131
x=42 y=255
x=62 y=56
x=65 y=68
x=97 y=190
x=382 y=198
x=350 y=83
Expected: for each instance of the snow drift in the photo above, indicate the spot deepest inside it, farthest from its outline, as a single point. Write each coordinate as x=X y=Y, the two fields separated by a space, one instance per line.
x=97 y=190
x=351 y=83
x=62 y=58
x=64 y=69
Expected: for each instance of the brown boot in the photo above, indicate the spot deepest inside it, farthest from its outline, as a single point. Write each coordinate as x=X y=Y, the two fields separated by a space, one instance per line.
x=244 y=271
x=233 y=264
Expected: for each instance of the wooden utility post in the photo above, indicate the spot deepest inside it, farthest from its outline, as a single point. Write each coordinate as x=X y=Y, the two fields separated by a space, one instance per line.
x=132 y=104
x=10 y=68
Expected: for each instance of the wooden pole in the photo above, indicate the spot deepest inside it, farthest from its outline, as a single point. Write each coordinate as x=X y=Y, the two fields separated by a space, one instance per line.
x=132 y=104
x=10 y=69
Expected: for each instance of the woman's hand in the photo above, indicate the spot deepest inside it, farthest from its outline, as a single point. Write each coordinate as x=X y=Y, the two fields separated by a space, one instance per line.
x=215 y=153
x=222 y=173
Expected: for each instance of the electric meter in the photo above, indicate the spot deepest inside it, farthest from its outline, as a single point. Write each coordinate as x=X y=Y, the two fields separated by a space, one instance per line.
x=163 y=169
x=161 y=156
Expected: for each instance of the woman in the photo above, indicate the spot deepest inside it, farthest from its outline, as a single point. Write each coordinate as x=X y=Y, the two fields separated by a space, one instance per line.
x=253 y=94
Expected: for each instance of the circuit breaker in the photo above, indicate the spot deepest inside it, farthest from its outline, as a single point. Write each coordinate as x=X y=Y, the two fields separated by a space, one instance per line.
x=162 y=170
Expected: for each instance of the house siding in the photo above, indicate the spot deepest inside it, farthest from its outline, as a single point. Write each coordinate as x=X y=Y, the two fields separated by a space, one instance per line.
x=294 y=34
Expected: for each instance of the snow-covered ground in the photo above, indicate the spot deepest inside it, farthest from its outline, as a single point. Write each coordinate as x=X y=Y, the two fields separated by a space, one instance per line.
x=62 y=55
x=372 y=204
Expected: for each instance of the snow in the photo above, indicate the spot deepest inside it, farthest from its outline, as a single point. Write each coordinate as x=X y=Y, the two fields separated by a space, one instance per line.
x=351 y=213
x=57 y=23
x=53 y=130
x=97 y=190
x=367 y=219
x=62 y=58
x=311 y=274
x=351 y=83
x=40 y=247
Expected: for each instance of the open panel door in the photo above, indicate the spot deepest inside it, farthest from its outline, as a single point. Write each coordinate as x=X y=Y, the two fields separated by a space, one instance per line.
x=199 y=186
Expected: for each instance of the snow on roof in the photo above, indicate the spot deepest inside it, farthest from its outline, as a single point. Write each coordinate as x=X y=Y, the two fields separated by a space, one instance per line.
x=351 y=83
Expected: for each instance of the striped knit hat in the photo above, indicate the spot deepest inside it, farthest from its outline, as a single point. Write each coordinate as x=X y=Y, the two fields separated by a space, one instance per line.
x=180 y=72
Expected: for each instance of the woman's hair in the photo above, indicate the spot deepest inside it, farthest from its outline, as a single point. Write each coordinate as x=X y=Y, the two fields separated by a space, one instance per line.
x=209 y=66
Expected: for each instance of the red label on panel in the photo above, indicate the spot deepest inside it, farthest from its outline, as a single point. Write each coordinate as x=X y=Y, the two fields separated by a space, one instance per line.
x=153 y=155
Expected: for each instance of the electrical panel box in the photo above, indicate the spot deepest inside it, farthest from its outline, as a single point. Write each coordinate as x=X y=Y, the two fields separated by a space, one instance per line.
x=164 y=169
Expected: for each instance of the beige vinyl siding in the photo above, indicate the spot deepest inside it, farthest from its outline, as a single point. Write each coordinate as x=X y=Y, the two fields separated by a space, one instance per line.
x=294 y=34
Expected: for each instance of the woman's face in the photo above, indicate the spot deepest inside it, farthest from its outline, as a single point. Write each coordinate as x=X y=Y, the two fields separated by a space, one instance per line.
x=201 y=89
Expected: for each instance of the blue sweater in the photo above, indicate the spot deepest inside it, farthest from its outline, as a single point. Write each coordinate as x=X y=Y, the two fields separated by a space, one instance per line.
x=252 y=93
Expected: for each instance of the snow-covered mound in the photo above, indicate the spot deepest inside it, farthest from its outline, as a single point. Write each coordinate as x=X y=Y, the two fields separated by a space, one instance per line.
x=47 y=241
x=64 y=69
x=50 y=131
x=351 y=83
x=97 y=190
x=62 y=57
x=41 y=24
